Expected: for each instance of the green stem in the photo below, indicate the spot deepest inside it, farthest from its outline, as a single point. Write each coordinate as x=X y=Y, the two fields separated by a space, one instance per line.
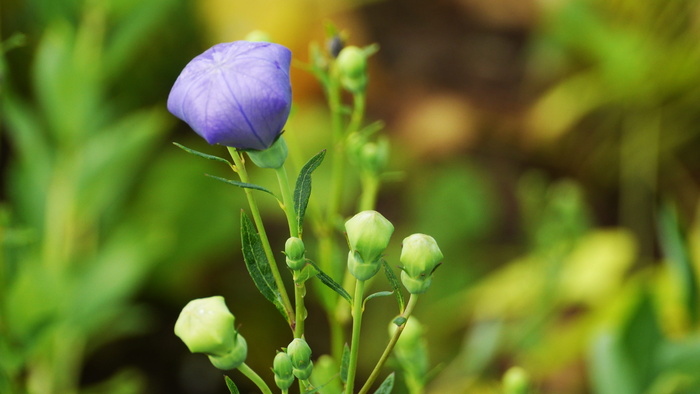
x=243 y=174
x=389 y=347
x=370 y=189
x=299 y=293
x=358 y=112
x=255 y=378
x=287 y=201
x=355 y=342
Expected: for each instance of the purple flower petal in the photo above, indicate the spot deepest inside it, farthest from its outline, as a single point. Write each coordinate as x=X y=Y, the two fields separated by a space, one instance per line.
x=236 y=94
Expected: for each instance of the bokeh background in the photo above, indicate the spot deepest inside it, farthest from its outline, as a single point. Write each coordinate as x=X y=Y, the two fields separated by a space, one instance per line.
x=551 y=148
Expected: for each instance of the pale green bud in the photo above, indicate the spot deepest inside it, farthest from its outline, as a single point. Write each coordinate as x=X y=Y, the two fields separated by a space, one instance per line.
x=283 y=369
x=369 y=233
x=272 y=157
x=295 y=252
x=299 y=352
x=516 y=381
x=304 y=373
x=416 y=285
x=352 y=67
x=420 y=255
x=206 y=325
x=374 y=156
x=359 y=269
x=234 y=358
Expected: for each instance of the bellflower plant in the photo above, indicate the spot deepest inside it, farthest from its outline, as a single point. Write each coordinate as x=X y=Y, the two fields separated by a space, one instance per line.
x=238 y=95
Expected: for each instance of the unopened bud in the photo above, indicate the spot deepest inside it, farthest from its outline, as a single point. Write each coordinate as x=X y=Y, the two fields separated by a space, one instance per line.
x=300 y=354
x=369 y=233
x=295 y=252
x=282 y=367
x=420 y=256
x=352 y=65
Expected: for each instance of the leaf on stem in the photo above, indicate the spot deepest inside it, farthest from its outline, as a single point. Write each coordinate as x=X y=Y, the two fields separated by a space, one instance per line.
x=395 y=286
x=258 y=266
x=387 y=385
x=242 y=184
x=374 y=295
x=345 y=364
x=333 y=285
x=302 y=190
x=200 y=154
x=306 y=273
x=231 y=386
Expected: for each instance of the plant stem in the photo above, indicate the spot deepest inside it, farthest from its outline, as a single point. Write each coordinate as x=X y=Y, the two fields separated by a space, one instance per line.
x=358 y=112
x=243 y=174
x=255 y=378
x=389 y=347
x=355 y=342
x=287 y=201
x=370 y=189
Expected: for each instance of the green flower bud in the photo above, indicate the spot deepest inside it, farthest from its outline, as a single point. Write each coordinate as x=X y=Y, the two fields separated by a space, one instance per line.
x=420 y=255
x=282 y=367
x=359 y=269
x=206 y=325
x=374 y=156
x=295 y=252
x=352 y=66
x=368 y=234
x=272 y=157
x=300 y=353
x=416 y=285
x=304 y=373
x=234 y=358
x=516 y=381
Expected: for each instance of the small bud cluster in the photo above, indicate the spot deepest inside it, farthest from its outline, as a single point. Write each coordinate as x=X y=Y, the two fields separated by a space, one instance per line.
x=368 y=235
x=295 y=251
x=206 y=326
x=294 y=362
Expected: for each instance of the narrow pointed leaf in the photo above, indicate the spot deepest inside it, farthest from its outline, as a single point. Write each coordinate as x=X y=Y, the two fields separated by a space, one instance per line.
x=345 y=364
x=333 y=285
x=395 y=286
x=231 y=386
x=306 y=273
x=387 y=385
x=258 y=266
x=375 y=295
x=200 y=154
x=242 y=184
x=302 y=190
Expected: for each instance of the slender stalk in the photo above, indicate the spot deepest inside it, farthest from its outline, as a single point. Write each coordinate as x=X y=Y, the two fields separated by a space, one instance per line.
x=243 y=174
x=358 y=112
x=389 y=347
x=355 y=342
x=370 y=189
x=287 y=201
x=255 y=378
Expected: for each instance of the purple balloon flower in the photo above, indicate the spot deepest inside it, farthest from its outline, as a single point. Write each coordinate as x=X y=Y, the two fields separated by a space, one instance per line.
x=235 y=94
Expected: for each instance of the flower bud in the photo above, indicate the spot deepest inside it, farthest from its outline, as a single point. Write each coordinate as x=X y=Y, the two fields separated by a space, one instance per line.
x=368 y=234
x=416 y=285
x=234 y=358
x=352 y=66
x=295 y=252
x=300 y=353
x=272 y=157
x=359 y=269
x=374 y=156
x=282 y=367
x=420 y=255
x=206 y=326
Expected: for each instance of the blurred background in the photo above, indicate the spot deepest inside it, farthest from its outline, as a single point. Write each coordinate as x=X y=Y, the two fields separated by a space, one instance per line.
x=550 y=147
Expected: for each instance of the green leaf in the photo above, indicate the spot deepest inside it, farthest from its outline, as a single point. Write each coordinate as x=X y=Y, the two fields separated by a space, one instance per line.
x=333 y=285
x=302 y=190
x=242 y=184
x=399 y=321
x=258 y=266
x=395 y=285
x=387 y=385
x=306 y=273
x=200 y=154
x=231 y=386
x=345 y=364
x=677 y=255
x=375 y=295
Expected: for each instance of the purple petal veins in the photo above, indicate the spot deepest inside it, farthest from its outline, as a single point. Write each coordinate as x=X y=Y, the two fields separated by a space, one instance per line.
x=236 y=94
